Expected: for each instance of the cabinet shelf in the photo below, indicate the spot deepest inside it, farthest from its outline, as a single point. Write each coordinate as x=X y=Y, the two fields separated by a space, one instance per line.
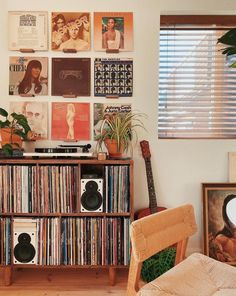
x=87 y=214
x=67 y=233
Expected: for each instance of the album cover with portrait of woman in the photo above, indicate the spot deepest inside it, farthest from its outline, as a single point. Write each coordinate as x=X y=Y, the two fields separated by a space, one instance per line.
x=28 y=76
x=70 y=31
x=113 y=77
x=28 y=30
x=113 y=31
x=70 y=121
x=37 y=115
x=71 y=76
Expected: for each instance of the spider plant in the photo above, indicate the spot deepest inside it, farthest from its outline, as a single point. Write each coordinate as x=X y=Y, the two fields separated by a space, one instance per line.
x=121 y=128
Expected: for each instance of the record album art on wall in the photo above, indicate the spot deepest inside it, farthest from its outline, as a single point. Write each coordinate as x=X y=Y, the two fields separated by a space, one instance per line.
x=219 y=211
x=113 y=31
x=71 y=76
x=103 y=111
x=70 y=31
x=70 y=121
x=28 y=30
x=28 y=76
x=113 y=77
x=36 y=114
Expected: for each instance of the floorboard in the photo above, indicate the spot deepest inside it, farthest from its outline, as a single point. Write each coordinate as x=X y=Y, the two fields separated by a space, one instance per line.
x=76 y=282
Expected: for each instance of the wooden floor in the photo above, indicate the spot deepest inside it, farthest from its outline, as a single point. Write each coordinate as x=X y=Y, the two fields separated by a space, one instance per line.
x=76 y=282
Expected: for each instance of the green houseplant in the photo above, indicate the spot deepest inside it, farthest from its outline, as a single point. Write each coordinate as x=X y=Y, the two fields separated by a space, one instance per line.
x=229 y=39
x=118 y=131
x=13 y=129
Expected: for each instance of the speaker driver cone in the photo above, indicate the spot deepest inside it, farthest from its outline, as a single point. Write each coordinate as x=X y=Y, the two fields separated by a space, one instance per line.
x=91 y=201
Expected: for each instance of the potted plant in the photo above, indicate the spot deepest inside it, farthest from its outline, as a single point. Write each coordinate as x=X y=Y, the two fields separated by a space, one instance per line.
x=117 y=132
x=13 y=129
x=229 y=39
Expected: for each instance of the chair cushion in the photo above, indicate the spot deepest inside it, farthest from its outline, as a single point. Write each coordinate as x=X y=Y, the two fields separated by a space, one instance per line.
x=198 y=275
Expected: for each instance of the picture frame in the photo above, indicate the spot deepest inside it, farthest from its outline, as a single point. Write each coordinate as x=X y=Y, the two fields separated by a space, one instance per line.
x=232 y=166
x=28 y=30
x=70 y=31
x=219 y=218
x=113 y=31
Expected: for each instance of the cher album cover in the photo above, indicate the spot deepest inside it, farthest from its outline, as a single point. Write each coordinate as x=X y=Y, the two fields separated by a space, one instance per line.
x=113 y=31
x=28 y=76
x=71 y=76
x=70 y=30
x=70 y=121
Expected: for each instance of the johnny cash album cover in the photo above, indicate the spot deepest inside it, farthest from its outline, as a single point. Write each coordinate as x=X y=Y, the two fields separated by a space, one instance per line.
x=113 y=77
x=71 y=76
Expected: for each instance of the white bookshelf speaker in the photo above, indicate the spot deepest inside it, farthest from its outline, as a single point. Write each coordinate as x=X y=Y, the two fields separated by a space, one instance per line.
x=91 y=199
x=24 y=241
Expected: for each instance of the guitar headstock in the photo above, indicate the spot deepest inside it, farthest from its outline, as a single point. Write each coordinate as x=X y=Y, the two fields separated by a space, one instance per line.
x=145 y=149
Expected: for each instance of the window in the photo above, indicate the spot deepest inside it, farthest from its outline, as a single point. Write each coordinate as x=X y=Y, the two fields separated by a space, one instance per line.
x=197 y=88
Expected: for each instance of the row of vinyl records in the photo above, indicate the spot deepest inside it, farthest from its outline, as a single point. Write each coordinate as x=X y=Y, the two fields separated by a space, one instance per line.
x=54 y=189
x=74 y=241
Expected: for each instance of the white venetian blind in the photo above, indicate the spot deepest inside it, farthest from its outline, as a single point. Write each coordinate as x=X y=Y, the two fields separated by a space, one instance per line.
x=197 y=88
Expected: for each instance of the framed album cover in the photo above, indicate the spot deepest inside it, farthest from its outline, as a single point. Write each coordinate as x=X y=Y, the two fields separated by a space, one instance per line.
x=28 y=30
x=113 y=31
x=28 y=76
x=113 y=77
x=70 y=31
x=70 y=121
x=36 y=114
x=102 y=111
x=219 y=213
x=71 y=76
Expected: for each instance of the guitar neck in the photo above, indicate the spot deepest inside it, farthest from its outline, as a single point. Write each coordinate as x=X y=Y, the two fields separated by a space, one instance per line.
x=151 y=188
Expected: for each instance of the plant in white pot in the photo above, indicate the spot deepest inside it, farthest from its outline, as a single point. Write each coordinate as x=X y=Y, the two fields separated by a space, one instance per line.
x=118 y=131
x=13 y=129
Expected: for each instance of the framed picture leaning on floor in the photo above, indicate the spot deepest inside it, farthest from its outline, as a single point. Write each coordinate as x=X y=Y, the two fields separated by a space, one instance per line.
x=219 y=213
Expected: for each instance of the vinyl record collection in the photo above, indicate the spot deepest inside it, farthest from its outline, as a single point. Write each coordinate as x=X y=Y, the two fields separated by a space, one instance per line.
x=117 y=185
x=57 y=190
x=5 y=247
x=75 y=241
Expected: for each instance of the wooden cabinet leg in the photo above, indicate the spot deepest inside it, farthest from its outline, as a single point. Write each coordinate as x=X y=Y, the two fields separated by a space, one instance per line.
x=7 y=275
x=112 y=276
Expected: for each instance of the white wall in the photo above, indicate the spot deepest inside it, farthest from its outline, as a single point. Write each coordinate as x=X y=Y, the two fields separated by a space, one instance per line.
x=179 y=166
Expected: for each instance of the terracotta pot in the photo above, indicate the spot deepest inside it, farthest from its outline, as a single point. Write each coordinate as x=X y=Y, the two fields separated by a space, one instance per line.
x=111 y=146
x=5 y=138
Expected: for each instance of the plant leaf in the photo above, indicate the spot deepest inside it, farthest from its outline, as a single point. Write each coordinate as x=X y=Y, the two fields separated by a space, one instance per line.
x=8 y=150
x=3 y=112
x=229 y=38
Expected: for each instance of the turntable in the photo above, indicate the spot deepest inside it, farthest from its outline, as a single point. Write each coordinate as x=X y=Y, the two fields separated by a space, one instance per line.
x=63 y=151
